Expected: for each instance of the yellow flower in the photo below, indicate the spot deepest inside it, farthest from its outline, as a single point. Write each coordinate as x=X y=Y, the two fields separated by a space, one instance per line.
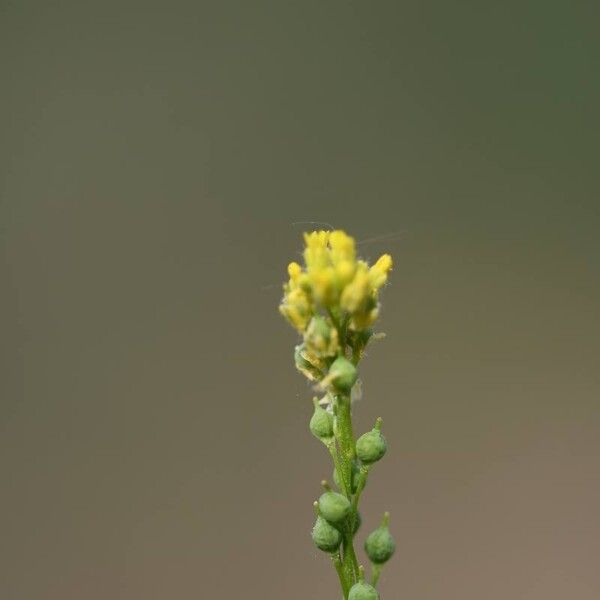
x=344 y=272
x=294 y=271
x=316 y=254
x=329 y=258
x=342 y=247
x=321 y=338
x=323 y=285
x=296 y=308
x=355 y=294
x=379 y=271
x=364 y=319
x=334 y=280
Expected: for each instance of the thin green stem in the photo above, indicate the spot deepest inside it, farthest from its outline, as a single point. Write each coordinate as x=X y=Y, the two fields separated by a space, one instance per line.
x=350 y=561
x=375 y=573
x=346 y=490
x=343 y=453
x=344 y=434
x=360 y=486
x=345 y=440
x=337 y=563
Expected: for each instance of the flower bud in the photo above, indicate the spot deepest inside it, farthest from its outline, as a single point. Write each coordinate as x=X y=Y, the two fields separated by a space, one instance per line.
x=343 y=374
x=334 y=507
x=355 y=474
x=325 y=536
x=380 y=544
x=321 y=338
x=306 y=363
x=321 y=423
x=371 y=446
x=363 y=591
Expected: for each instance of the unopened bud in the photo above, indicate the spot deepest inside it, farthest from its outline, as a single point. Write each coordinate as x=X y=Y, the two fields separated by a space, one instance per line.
x=321 y=338
x=307 y=364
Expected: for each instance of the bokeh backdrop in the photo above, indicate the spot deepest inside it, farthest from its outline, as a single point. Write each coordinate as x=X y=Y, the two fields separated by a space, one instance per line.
x=158 y=163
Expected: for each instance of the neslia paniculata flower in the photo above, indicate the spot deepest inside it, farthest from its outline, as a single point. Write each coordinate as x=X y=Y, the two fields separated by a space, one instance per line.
x=332 y=301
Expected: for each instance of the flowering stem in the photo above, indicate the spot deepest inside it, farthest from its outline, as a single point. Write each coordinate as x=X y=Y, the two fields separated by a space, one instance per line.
x=333 y=302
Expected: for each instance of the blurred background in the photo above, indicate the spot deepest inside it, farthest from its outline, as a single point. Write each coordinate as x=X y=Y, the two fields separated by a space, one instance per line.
x=159 y=162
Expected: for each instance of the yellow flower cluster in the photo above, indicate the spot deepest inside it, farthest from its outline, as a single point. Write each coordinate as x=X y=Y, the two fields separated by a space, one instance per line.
x=334 y=280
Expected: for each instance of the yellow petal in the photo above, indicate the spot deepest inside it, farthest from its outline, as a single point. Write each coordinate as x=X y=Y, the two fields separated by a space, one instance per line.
x=294 y=271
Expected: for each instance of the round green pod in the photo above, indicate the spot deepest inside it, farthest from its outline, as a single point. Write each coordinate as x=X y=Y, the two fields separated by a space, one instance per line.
x=355 y=474
x=321 y=423
x=334 y=507
x=371 y=446
x=325 y=536
x=380 y=545
x=363 y=591
x=343 y=374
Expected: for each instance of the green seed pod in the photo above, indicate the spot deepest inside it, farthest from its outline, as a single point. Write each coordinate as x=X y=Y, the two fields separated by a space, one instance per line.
x=355 y=474
x=371 y=446
x=363 y=591
x=321 y=338
x=380 y=545
x=334 y=507
x=321 y=423
x=325 y=536
x=343 y=374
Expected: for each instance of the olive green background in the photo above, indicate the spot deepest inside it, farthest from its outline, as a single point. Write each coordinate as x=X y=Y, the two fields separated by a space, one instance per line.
x=159 y=162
